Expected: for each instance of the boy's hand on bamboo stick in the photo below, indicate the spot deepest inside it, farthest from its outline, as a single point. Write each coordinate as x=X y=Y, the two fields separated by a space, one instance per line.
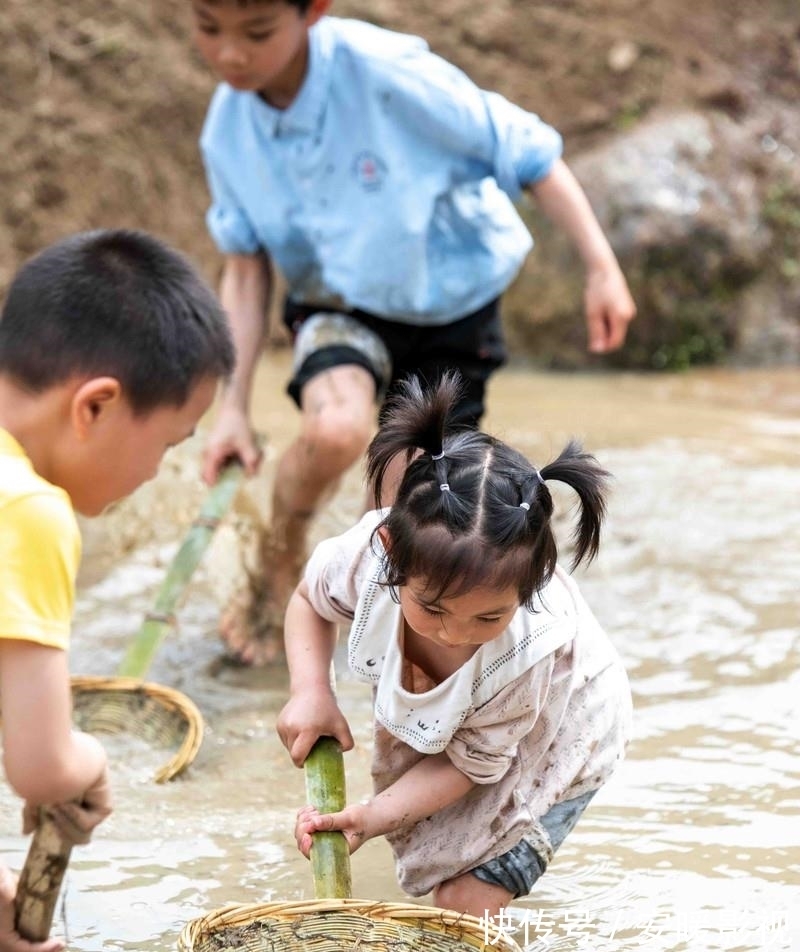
x=308 y=716
x=10 y=939
x=76 y=821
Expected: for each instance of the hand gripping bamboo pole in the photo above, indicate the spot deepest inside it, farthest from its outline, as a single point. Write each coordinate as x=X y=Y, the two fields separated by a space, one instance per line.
x=325 y=789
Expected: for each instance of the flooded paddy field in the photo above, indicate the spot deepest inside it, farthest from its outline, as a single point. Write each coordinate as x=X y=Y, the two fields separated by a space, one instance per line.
x=694 y=844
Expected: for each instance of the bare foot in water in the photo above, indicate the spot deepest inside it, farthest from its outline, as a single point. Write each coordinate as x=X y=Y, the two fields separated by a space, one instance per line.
x=252 y=629
x=251 y=625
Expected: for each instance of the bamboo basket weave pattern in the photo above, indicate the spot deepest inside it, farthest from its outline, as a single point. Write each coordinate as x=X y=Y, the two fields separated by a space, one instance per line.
x=160 y=715
x=340 y=925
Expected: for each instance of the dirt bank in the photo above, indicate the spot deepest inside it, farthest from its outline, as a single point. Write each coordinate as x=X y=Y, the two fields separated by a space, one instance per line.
x=103 y=100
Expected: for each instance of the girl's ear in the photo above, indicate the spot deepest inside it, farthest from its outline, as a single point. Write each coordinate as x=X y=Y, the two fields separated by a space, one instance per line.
x=386 y=539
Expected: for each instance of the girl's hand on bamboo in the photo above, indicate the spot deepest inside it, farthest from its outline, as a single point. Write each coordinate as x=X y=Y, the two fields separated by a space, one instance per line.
x=308 y=716
x=352 y=822
x=75 y=821
x=10 y=939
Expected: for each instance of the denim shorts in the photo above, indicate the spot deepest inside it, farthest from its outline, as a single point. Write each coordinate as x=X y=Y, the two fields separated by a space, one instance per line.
x=391 y=350
x=519 y=868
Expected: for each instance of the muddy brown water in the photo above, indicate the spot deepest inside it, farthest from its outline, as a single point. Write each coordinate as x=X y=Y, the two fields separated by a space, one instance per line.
x=694 y=844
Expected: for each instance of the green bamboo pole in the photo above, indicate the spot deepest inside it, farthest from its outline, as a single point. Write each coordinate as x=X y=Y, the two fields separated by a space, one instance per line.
x=40 y=880
x=161 y=619
x=325 y=789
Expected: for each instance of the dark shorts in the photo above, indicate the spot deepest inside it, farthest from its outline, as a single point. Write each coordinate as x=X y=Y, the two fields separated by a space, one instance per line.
x=391 y=350
x=519 y=868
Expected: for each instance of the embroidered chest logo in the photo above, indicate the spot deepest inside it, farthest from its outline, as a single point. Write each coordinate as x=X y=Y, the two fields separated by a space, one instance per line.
x=369 y=170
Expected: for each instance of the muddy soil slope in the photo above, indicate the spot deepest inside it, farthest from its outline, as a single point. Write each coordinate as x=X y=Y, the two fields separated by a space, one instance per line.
x=102 y=100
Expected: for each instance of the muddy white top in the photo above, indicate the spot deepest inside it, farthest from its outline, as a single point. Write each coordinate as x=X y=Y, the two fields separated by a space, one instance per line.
x=540 y=714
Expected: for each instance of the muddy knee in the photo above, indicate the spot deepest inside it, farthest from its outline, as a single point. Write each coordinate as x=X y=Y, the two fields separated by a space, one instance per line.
x=333 y=440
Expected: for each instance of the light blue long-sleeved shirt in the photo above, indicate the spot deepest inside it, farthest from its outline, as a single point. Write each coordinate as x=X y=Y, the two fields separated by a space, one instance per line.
x=387 y=184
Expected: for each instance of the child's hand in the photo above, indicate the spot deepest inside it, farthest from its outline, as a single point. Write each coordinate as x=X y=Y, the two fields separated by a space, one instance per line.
x=609 y=309
x=231 y=437
x=75 y=820
x=351 y=821
x=10 y=939
x=307 y=717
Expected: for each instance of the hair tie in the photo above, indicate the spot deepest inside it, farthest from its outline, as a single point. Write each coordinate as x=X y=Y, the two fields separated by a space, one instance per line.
x=538 y=476
x=437 y=455
x=445 y=487
x=525 y=505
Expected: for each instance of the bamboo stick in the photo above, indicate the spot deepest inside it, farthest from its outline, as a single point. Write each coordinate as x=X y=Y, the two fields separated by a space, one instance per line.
x=40 y=880
x=325 y=789
x=161 y=619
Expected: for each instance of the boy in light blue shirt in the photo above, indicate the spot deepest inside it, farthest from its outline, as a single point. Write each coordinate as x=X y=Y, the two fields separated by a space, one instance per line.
x=381 y=181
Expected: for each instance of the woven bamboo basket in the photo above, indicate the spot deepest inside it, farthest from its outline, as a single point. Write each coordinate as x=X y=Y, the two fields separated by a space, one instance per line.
x=160 y=715
x=340 y=925
x=333 y=922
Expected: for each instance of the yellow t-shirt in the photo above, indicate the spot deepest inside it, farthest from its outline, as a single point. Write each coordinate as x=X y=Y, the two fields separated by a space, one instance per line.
x=40 y=549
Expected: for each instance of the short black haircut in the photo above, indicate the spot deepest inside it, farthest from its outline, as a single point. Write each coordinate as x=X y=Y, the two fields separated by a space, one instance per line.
x=302 y=5
x=116 y=303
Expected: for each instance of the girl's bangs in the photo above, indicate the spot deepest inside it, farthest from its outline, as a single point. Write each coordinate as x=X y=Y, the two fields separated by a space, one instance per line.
x=455 y=565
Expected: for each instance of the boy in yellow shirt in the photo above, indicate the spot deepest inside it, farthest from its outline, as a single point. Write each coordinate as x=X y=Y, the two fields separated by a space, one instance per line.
x=111 y=348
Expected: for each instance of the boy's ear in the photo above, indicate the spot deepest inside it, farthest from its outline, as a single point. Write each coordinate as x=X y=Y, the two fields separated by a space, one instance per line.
x=317 y=10
x=92 y=402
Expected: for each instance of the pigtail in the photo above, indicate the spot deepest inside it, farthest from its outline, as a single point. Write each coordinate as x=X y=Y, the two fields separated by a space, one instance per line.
x=414 y=419
x=582 y=473
x=470 y=510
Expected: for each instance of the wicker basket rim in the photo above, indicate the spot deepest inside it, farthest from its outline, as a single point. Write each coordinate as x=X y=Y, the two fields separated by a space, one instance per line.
x=169 y=698
x=483 y=934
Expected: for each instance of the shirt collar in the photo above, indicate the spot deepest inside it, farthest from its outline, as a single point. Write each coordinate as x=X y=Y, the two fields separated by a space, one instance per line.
x=9 y=446
x=304 y=114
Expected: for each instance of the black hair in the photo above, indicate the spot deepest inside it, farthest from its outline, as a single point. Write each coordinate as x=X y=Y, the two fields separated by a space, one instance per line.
x=118 y=303
x=302 y=5
x=470 y=510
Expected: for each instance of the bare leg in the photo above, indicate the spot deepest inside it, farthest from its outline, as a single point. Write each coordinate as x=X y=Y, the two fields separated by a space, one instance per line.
x=338 y=408
x=467 y=893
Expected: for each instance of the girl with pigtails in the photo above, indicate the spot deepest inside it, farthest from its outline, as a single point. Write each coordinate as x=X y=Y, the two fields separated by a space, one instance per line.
x=500 y=704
